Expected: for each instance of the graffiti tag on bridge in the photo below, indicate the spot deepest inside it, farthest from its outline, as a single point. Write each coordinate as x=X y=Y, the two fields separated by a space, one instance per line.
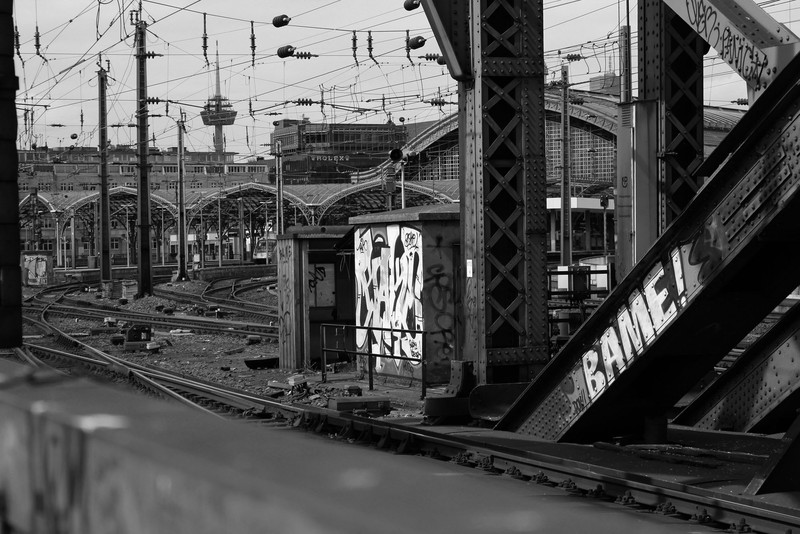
x=736 y=49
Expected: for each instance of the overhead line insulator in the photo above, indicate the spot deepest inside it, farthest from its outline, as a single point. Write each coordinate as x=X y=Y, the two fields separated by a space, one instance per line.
x=205 y=40
x=416 y=42
x=286 y=51
x=369 y=46
x=280 y=21
x=355 y=47
x=253 y=43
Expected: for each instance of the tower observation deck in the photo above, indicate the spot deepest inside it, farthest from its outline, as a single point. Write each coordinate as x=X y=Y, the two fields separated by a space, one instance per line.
x=218 y=112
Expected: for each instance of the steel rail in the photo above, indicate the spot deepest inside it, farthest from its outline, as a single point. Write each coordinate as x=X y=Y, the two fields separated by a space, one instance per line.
x=196 y=323
x=170 y=384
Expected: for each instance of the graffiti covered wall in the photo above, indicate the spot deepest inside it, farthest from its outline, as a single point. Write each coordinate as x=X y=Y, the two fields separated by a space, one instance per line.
x=290 y=317
x=404 y=281
x=388 y=263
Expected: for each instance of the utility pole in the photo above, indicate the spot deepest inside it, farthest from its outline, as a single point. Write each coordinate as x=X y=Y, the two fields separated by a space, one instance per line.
x=219 y=228
x=143 y=220
x=242 y=251
x=279 y=179
x=566 y=193
x=106 y=282
x=181 y=204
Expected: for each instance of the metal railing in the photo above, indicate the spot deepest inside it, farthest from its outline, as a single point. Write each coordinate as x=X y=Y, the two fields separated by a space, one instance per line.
x=340 y=333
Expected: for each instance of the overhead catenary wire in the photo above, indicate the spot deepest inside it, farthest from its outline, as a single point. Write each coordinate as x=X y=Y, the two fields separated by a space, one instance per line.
x=376 y=68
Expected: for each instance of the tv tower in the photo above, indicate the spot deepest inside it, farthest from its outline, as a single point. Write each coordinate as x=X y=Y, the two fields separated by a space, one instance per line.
x=218 y=112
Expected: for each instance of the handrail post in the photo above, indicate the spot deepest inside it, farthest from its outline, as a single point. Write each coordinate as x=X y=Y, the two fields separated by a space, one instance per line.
x=369 y=359
x=322 y=333
x=369 y=365
x=424 y=373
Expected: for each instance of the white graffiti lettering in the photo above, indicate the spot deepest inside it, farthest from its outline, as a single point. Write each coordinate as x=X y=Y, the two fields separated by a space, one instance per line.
x=647 y=313
x=389 y=281
x=732 y=45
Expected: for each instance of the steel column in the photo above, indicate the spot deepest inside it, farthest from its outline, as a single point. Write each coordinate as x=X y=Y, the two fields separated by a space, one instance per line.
x=10 y=272
x=503 y=192
x=671 y=73
x=665 y=144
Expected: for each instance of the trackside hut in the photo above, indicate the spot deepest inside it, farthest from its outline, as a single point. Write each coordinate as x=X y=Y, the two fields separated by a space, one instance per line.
x=405 y=284
x=315 y=287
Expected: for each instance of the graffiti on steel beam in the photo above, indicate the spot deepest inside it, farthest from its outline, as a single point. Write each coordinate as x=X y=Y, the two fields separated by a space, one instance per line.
x=389 y=278
x=649 y=309
x=734 y=47
x=674 y=281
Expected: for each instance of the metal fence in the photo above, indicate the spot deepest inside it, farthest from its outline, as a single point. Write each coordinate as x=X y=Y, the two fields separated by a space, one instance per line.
x=339 y=338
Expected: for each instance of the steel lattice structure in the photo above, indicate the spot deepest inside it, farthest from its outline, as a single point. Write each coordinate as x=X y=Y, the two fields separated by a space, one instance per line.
x=671 y=73
x=504 y=192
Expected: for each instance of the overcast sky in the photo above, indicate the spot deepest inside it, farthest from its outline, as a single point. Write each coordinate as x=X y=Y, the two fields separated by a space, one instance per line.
x=72 y=33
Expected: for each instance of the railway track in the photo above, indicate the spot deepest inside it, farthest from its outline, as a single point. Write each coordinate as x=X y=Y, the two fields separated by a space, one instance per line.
x=56 y=302
x=485 y=450
x=226 y=294
x=81 y=358
x=476 y=450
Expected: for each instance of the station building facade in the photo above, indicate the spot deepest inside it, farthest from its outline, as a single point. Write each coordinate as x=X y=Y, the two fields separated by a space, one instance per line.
x=344 y=165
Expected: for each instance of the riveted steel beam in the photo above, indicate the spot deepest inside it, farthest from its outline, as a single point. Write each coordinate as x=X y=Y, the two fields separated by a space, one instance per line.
x=671 y=73
x=761 y=390
x=503 y=188
x=754 y=44
x=725 y=263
